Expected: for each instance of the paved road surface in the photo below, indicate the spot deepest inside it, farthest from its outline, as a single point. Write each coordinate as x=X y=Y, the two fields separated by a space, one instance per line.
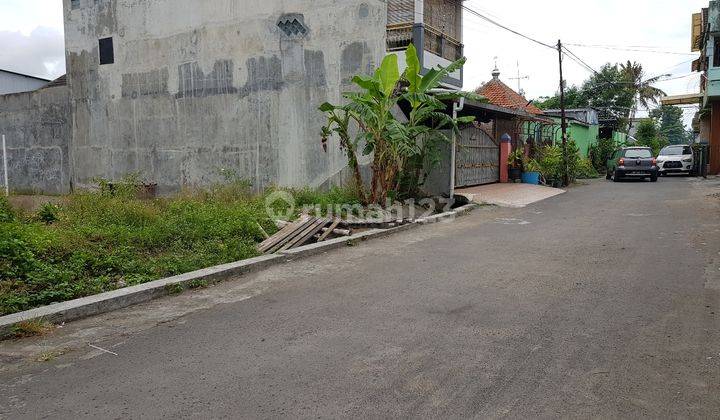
x=603 y=302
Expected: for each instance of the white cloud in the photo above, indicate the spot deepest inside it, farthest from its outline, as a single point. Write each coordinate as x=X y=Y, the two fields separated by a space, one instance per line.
x=41 y=53
x=31 y=35
x=664 y=24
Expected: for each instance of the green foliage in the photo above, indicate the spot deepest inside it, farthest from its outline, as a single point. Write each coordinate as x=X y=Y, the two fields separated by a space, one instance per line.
x=531 y=165
x=403 y=152
x=48 y=213
x=600 y=152
x=616 y=88
x=104 y=240
x=648 y=134
x=323 y=201
x=550 y=161
x=573 y=160
x=515 y=159
x=174 y=289
x=585 y=169
x=6 y=212
x=647 y=130
x=198 y=284
x=672 y=126
x=575 y=97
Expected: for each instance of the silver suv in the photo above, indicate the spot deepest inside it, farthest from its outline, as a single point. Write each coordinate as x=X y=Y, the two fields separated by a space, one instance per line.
x=676 y=159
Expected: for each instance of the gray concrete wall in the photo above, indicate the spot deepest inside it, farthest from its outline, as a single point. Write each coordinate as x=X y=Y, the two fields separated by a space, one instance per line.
x=37 y=128
x=202 y=85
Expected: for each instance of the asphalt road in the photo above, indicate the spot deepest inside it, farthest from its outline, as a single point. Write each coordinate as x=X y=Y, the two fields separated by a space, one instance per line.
x=603 y=302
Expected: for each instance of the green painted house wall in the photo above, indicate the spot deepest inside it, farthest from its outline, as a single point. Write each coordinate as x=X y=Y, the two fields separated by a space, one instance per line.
x=619 y=138
x=584 y=135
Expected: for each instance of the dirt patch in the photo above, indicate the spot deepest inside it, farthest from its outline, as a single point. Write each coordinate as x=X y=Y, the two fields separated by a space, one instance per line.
x=31 y=203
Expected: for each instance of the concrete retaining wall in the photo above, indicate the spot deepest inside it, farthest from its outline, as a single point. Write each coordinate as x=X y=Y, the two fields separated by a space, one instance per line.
x=199 y=86
x=37 y=127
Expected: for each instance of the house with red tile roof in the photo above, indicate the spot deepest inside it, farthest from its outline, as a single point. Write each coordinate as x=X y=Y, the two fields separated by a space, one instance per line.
x=502 y=95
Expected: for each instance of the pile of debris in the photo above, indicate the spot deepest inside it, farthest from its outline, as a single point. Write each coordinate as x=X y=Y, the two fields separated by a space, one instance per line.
x=306 y=229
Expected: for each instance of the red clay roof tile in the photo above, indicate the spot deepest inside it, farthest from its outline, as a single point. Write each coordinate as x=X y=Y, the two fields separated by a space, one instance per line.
x=500 y=94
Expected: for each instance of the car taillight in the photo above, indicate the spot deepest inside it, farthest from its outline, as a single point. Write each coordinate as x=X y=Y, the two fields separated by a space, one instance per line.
x=621 y=162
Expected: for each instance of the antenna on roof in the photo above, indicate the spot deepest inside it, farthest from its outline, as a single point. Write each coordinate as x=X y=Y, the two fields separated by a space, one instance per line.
x=519 y=78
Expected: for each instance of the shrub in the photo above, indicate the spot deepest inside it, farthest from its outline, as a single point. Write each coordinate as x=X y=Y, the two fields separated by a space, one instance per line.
x=6 y=212
x=550 y=161
x=600 y=152
x=585 y=170
x=48 y=213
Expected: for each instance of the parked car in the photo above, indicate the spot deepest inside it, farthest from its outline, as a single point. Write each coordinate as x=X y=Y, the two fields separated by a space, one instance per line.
x=635 y=162
x=676 y=159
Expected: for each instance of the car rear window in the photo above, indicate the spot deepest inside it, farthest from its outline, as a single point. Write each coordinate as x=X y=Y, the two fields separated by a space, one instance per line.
x=676 y=151
x=638 y=153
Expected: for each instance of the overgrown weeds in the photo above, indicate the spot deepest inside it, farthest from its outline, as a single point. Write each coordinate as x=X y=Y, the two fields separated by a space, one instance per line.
x=31 y=328
x=108 y=239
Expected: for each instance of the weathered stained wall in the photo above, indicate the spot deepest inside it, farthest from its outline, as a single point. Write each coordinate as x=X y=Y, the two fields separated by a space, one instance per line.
x=200 y=86
x=37 y=129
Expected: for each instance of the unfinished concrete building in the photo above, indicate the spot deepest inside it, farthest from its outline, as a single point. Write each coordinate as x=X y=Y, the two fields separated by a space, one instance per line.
x=177 y=90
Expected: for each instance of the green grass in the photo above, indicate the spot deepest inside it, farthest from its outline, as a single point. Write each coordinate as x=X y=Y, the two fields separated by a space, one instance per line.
x=102 y=241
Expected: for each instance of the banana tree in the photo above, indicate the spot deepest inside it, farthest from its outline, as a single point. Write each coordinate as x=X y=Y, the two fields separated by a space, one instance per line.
x=400 y=150
x=428 y=118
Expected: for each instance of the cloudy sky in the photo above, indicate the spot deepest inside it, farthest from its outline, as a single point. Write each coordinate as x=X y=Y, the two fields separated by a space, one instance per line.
x=662 y=26
x=31 y=36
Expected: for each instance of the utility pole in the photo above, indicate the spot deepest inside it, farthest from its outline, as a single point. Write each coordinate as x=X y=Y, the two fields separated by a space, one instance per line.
x=563 y=121
x=4 y=149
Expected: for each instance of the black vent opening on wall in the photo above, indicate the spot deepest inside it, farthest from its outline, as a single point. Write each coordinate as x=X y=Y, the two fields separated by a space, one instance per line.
x=293 y=25
x=107 y=51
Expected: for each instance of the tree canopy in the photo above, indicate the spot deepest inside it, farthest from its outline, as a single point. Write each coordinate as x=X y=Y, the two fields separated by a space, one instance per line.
x=616 y=88
x=672 y=127
x=648 y=134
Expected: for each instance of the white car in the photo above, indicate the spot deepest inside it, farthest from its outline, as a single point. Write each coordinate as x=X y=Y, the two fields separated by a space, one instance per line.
x=676 y=159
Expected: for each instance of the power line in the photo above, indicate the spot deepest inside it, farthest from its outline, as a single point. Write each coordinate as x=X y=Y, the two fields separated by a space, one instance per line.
x=630 y=49
x=582 y=62
x=498 y=24
x=678 y=77
x=680 y=64
x=619 y=46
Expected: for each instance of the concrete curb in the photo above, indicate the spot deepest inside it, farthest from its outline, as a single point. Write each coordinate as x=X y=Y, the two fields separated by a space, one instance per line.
x=121 y=298
x=117 y=299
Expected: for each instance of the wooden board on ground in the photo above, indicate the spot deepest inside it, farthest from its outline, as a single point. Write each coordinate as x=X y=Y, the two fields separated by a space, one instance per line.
x=337 y=231
x=289 y=229
x=329 y=230
x=303 y=237
x=292 y=236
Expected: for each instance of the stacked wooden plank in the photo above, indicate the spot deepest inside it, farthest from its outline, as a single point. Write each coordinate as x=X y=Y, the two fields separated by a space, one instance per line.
x=306 y=229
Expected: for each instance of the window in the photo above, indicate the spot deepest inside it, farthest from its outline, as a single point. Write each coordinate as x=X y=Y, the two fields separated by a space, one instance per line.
x=716 y=53
x=676 y=151
x=74 y=4
x=107 y=52
x=638 y=153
